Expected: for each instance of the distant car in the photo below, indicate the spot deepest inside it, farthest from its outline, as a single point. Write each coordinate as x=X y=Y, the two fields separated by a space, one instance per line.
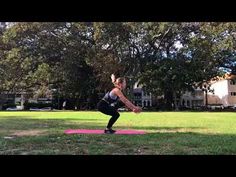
x=34 y=109
x=123 y=109
x=145 y=108
x=46 y=109
x=216 y=106
x=41 y=109
x=234 y=106
x=12 y=109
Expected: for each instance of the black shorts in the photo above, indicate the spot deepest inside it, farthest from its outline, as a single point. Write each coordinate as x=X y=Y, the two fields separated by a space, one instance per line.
x=105 y=108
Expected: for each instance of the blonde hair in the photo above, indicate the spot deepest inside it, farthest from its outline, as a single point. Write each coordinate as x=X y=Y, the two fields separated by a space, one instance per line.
x=117 y=81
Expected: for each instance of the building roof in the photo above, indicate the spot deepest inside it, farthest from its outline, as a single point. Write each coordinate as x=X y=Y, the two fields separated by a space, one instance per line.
x=221 y=78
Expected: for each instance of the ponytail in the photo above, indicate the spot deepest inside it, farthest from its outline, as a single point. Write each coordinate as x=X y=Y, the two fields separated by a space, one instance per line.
x=116 y=81
x=113 y=79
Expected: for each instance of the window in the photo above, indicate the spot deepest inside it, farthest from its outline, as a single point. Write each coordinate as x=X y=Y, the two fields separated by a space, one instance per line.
x=232 y=82
x=139 y=103
x=188 y=103
x=183 y=102
x=233 y=93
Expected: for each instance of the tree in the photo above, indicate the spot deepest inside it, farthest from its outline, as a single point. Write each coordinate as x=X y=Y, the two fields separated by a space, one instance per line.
x=52 y=49
x=78 y=58
x=170 y=69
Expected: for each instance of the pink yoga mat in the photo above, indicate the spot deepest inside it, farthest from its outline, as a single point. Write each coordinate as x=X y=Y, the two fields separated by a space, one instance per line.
x=89 y=131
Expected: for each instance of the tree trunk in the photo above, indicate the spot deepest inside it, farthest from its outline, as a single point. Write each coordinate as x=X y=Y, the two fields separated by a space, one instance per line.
x=168 y=97
x=22 y=102
x=206 y=104
x=175 y=101
x=1 y=101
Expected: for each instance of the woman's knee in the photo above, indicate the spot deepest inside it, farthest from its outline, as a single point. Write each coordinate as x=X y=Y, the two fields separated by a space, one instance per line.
x=117 y=115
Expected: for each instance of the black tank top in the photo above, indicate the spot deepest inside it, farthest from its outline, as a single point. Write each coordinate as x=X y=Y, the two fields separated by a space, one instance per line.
x=108 y=99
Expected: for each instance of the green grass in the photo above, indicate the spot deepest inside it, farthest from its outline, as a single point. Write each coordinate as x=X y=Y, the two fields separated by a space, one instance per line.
x=177 y=133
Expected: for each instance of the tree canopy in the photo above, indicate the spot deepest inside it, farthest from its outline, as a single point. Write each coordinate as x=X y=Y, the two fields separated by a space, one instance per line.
x=77 y=58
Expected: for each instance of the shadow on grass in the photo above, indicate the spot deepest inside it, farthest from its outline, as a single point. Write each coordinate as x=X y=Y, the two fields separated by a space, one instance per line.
x=156 y=128
x=148 y=144
x=29 y=123
x=158 y=140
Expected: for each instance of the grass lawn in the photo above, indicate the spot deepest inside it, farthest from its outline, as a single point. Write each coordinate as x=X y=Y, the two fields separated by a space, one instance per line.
x=168 y=133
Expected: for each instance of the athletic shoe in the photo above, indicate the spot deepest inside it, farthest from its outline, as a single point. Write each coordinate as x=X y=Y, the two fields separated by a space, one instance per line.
x=109 y=131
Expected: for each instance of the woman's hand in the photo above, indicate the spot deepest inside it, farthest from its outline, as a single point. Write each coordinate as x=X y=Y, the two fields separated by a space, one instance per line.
x=137 y=109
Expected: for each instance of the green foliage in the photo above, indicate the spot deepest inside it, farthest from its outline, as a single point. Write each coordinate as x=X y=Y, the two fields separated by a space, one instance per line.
x=77 y=58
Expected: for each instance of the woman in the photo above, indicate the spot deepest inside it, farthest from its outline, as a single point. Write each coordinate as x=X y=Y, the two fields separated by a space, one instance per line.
x=112 y=97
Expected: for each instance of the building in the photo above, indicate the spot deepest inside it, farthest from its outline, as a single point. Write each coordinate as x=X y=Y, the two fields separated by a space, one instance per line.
x=10 y=100
x=224 y=91
x=141 y=98
x=192 y=99
x=17 y=99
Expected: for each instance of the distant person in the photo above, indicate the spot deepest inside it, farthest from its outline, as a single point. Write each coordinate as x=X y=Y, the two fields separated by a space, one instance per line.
x=64 y=105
